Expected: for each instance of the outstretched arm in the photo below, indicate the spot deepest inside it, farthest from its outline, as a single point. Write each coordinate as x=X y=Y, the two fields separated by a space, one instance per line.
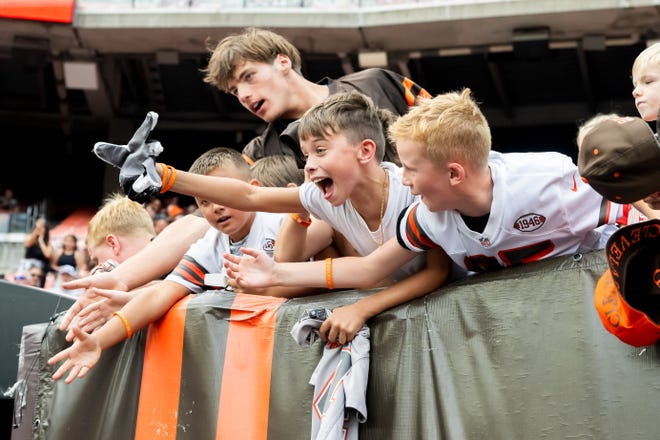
x=346 y=321
x=141 y=177
x=143 y=309
x=235 y=193
x=158 y=258
x=256 y=270
x=297 y=242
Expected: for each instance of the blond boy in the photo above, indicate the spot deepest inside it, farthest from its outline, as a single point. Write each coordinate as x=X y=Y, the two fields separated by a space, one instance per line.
x=485 y=209
x=118 y=230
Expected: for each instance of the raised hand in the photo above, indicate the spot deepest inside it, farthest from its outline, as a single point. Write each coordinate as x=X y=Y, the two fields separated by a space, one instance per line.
x=101 y=280
x=138 y=177
x=96 y=314
x=254 y=269
x=79 y=358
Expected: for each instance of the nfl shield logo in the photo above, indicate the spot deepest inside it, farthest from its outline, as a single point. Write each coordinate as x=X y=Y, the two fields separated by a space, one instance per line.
x=484 y=241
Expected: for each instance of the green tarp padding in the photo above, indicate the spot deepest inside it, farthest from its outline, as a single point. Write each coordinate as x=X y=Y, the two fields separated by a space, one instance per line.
x=517 y=354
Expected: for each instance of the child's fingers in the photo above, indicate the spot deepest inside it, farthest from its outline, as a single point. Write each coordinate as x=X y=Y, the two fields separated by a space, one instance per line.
x=92 y=321
x=75 y=372
x=64 y=354
x=251 y=252
x=63 y=369
x=231 y=265
x=81 y=283
x=235 y=259
x=105 y=293
x=70 y=314
x=69 y=336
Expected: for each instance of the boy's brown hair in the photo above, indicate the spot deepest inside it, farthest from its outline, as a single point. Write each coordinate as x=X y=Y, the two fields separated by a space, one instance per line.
x=450 y=126
x=277 y=170
x=352 y=114
x=220 y=157
x=252 y=44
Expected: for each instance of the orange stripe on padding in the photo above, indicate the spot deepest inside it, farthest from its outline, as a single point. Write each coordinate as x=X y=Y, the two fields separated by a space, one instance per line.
x=161 y=376
x=245 y=389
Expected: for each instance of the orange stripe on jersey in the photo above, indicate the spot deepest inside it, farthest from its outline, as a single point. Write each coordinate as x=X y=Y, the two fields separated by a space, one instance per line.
x=245 y=390
x=413 y=233
x=410 y=86
x=189 y=270
x=161 y=376
x=424 y=94
x=410 y=98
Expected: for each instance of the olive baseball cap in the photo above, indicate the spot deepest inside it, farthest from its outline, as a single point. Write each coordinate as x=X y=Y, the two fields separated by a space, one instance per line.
x=620 y=159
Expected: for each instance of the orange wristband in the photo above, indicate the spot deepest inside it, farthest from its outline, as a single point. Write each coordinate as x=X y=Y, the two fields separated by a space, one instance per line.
x=296 y=218
x=127 y=325
x=328 y=274
x=168 y=178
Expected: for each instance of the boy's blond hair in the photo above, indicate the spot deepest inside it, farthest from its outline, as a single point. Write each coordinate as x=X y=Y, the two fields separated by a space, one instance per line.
x=252 y=44
x=221 y=157
x=121 y=216
x=277 y=170
x=352 y=114
x=450 y=126
x=649 y=57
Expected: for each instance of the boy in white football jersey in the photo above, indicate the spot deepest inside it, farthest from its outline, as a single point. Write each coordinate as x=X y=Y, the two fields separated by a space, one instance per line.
x=485 y=209
x=230 y=230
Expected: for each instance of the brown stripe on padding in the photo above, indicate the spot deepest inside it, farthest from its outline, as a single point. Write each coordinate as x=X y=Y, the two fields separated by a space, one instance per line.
x=161 y=376
x=245 y=391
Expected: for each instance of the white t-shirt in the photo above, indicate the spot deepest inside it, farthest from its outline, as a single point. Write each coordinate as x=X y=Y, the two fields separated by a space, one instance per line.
x=345 y=219
x=206 y=255
x=541 y=208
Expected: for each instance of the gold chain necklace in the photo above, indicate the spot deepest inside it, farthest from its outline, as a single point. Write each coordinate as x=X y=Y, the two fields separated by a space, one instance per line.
x=382 y=213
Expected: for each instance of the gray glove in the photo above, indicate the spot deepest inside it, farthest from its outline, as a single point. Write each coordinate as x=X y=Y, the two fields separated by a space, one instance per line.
x=138 y=177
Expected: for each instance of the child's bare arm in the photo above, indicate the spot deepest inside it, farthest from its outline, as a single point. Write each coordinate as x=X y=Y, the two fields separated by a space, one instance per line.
x=296 y=242
x=140 y=311
x=346 y=321
x=256 y=270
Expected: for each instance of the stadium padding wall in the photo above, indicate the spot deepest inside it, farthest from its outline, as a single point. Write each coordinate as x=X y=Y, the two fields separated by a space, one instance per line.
x=517 y=354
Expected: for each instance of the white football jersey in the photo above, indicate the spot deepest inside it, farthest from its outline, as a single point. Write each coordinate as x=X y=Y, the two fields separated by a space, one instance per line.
x=206 y=255
x=541 y=208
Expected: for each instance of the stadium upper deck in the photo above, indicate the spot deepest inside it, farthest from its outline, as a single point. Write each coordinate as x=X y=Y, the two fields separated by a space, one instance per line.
x=537 y=66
